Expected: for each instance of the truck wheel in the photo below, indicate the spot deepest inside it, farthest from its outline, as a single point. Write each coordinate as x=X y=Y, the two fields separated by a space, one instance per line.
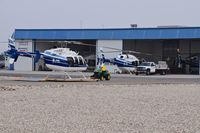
x=148 y=72
x=163 y=72
x=136 y=73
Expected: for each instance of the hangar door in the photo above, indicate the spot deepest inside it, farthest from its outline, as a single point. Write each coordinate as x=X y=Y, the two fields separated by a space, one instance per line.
x=170 y=53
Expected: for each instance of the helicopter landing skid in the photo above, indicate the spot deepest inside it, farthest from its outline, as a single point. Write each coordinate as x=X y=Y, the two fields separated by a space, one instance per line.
x=66 y=74
x=68 y=78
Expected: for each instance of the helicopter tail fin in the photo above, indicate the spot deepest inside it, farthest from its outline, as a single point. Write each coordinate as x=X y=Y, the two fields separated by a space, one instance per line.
x=11 y=44
x=12 y=51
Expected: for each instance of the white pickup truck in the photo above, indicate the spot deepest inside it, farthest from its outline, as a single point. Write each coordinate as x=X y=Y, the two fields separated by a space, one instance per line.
x=152 y=68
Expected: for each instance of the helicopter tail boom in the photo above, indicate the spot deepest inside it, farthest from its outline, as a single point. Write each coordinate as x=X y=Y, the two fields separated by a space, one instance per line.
x=13 y=53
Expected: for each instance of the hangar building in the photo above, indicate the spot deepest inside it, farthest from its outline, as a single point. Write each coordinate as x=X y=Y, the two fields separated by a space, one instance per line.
x=161 y=43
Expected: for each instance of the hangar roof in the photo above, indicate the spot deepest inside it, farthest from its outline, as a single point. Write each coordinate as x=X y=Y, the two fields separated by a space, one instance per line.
x=109 y=34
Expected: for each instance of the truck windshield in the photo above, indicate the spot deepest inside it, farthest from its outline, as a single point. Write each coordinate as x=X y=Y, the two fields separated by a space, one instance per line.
x=145 y=64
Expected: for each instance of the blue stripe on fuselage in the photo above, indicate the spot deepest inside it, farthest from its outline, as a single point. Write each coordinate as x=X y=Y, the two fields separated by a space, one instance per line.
x=60 y=62
x=55 y=61
x=120 y=63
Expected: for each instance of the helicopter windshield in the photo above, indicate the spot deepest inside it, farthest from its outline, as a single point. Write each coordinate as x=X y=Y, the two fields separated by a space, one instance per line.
x=76 y=60
x=81 y=62
x=145 y=64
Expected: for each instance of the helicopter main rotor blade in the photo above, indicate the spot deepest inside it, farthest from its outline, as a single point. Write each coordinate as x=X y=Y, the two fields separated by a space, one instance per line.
x=67 y=42
x=127 y=51
x=110 y=51
x=135 y=52
x=79 y=43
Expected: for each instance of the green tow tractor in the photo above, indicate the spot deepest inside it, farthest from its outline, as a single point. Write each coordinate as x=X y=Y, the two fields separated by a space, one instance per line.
x=101 y=74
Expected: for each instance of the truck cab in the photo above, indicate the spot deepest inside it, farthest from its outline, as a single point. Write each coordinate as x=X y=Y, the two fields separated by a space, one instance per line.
x=146 y=67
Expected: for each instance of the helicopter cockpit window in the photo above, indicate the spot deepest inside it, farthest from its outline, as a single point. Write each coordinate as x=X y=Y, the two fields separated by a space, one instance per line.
x=80 y=61
x=194 y=58
x=70 y=61
x=136 y=63
x=76 y=60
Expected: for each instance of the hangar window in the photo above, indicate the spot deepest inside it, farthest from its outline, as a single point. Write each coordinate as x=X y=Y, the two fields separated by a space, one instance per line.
x=91 y=62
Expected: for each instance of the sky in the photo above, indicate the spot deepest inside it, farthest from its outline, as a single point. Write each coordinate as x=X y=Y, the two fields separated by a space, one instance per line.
x=64 y=14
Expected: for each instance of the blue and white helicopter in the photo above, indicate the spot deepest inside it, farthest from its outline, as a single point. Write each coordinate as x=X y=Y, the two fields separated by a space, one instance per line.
x=57 y=59
x=126 y=62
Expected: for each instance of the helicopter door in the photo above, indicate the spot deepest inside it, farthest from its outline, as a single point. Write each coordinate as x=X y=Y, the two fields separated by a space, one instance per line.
x=70 y=61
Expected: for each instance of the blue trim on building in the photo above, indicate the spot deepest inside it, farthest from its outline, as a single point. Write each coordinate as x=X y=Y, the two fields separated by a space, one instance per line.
x=108 y=34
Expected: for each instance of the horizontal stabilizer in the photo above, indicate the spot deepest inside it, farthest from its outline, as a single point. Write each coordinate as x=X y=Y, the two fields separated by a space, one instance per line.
x=11 y=61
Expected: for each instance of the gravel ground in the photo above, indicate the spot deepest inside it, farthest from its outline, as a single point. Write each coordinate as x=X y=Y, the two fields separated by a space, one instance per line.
x=29 y=107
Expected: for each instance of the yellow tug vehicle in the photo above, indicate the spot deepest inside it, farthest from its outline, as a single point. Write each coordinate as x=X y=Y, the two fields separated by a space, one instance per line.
x=101 y=73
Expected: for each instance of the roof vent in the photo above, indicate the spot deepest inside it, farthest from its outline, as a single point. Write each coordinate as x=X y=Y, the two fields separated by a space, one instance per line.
x=133 y=25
